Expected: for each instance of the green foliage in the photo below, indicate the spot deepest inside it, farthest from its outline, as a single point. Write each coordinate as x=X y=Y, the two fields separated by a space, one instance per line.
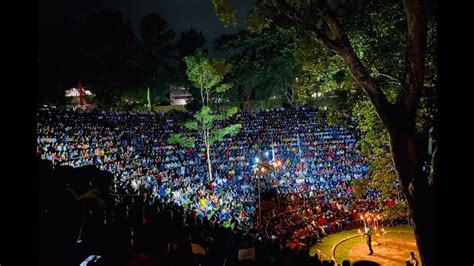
x=204 y=118
x=223 y=87
x=376 y=29
x=257 y=22
x=336 y=117
x=219 y=134
x=360 y=186
x=191 y=125
x=324 y=70
x=373 y=133
x=231 y=112
x=208 y=75
x=263 y=65
x=221 y=66
x=203 y=122
x=225 y=12
x=201 y=72
x=374 y=145
x=383 y=176
x=179 y=140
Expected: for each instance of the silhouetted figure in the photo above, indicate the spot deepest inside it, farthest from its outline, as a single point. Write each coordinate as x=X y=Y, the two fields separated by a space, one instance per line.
x=412 y=260
x=368 y=235
x=93 y=230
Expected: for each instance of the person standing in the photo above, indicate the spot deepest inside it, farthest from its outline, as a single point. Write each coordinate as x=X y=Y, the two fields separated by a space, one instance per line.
x=368 y=234
x=93 y=204
x=412 y=260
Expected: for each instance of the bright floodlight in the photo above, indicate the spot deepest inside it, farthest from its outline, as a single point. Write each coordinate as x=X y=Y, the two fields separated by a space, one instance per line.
x=257 y=160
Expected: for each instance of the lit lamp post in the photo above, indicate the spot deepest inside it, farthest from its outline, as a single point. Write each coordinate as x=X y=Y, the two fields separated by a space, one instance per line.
x=260 y=169
x=363 y=219
x=258 y=172
x=276 y=165
x=257 y=160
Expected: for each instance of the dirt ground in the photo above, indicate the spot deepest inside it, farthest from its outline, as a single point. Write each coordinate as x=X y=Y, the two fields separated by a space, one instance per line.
x=395 y=252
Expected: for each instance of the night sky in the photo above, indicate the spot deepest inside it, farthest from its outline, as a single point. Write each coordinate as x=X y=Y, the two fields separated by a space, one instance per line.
x=58 y=19
x=180 y=14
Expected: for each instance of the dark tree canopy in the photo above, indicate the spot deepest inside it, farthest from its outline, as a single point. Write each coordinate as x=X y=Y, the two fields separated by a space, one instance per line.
x=109 y=51
x=264 y=64
x=189 y=41
x=159 y=50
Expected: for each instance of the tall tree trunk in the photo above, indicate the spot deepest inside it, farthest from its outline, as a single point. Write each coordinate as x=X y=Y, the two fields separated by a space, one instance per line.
x=417 y=189
x=148 y=99
x=208 y=156
x=399 y=120
x=202 y=97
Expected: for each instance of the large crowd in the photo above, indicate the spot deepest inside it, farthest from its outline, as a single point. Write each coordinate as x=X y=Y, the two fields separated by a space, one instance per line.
x=308 y=192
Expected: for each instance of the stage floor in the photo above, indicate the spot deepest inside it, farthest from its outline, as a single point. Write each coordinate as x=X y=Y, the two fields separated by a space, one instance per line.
x=393 y=250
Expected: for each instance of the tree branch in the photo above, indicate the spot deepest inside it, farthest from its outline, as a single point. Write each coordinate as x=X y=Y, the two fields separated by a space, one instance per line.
x=390 y=82
x=297 y=17
x=388 y=76
x=359 y=71
x=413 y=79
x=342 y=47
x=434 y=168
x=323 y=40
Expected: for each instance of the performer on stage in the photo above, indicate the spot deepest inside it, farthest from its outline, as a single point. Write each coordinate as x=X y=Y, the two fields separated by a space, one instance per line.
x=368 y=234
x=412 y=260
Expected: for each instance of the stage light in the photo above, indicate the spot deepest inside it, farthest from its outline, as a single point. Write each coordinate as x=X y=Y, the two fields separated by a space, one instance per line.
x=257 y=160
x=266 y=153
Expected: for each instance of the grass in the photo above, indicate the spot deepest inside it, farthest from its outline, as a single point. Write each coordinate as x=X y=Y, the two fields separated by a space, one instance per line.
x=401 y=233
x=344 y=248
x=329 y=241
x=166 y=108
